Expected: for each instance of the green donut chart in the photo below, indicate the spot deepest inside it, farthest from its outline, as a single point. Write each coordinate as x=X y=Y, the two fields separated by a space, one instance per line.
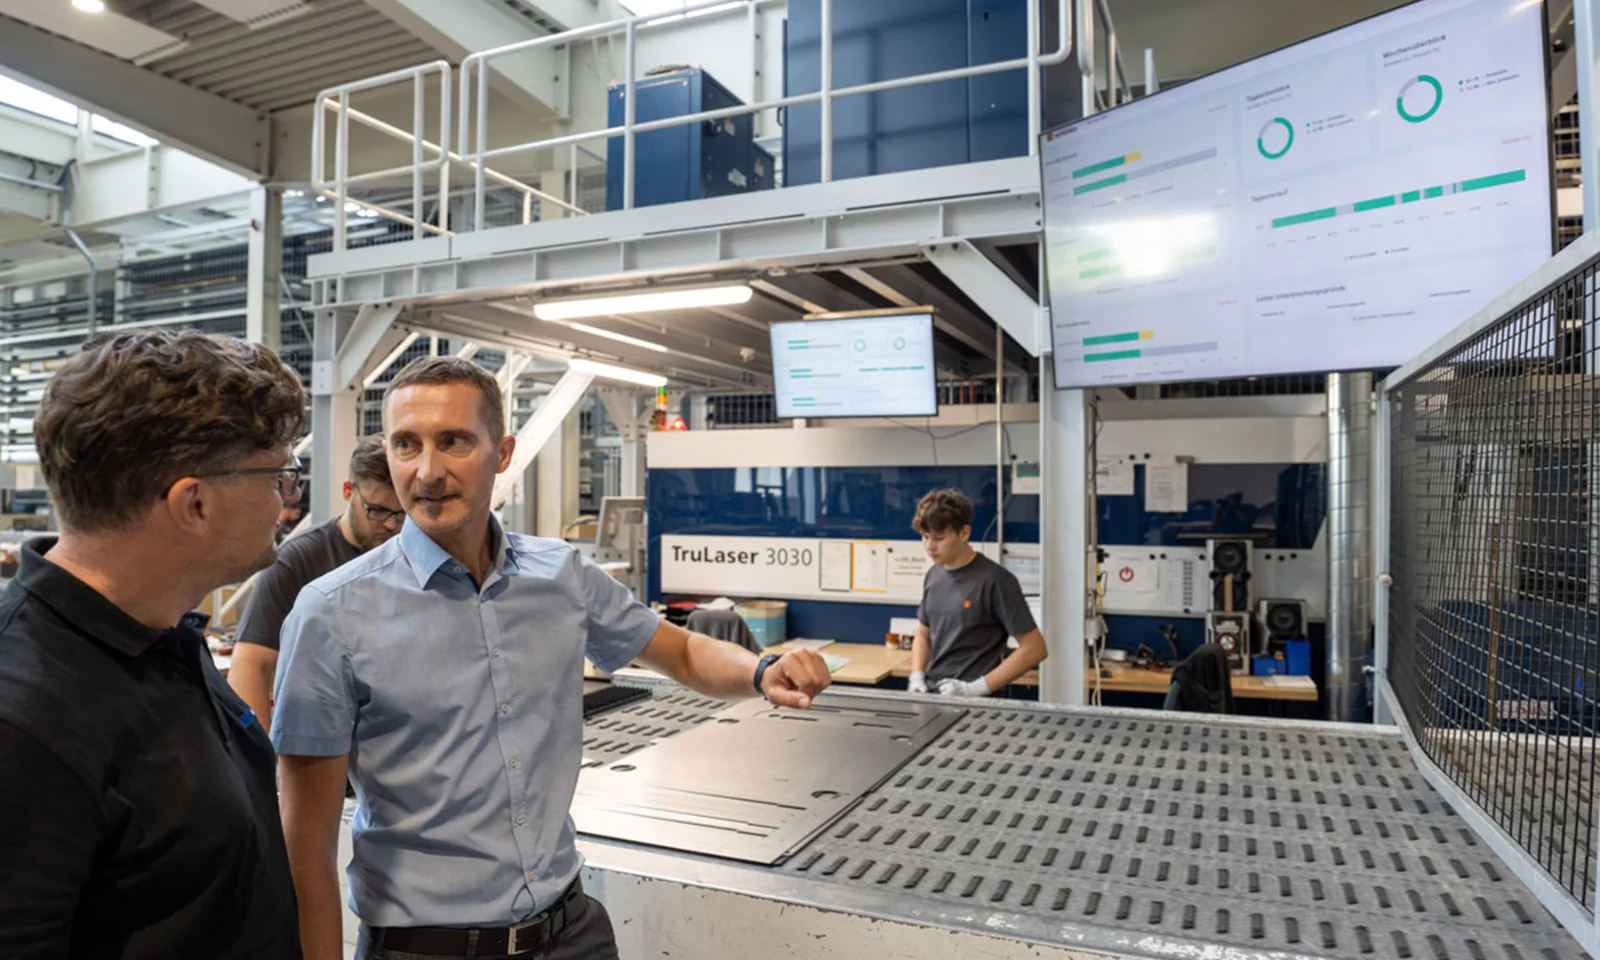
x=1438 y=98
x=1261 y=138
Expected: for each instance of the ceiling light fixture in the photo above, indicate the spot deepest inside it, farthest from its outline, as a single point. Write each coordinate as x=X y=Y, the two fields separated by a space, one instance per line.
x=89 y=6
x=610 y=372
x=725 y=296
x=619 y=337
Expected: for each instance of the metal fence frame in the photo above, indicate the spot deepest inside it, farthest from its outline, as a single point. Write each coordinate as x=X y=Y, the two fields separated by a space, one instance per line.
x=1579 y=262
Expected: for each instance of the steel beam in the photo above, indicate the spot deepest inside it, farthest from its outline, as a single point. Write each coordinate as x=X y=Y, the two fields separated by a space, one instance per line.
x=990 y=288
x=546 y=421
x=1064 y=540
x=28 y=200
x=264 y=276
x=364 y=341
x=467 y=26
x=882 y=217
x=217 y=129
x=333 y=417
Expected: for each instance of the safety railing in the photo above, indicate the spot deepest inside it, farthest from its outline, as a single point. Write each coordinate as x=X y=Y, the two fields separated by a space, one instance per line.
x=477 y=134
x=427 y=156
x=1086 y=19
x=1488 y=556
x=1089 y=18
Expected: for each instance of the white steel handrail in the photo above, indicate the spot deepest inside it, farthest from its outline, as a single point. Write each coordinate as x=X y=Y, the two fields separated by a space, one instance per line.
x=478 y=153
x=1114 y=69
x=505 y=180
x=1075 y=23
x=419 y=166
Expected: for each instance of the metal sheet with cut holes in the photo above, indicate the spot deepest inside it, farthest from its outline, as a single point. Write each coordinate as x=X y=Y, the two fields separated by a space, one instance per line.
x=756 y=784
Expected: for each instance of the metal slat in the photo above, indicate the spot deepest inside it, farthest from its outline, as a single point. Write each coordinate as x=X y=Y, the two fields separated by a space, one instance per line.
x=1262 y=839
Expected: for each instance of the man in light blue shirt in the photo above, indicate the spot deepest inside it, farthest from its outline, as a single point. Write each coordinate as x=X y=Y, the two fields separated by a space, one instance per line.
x=441 y=671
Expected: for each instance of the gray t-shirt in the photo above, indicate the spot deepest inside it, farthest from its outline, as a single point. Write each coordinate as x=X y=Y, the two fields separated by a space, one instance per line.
x=969 y=612
x=300 y=561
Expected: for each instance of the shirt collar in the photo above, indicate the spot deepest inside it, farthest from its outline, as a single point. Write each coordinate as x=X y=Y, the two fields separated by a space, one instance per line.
x=427 y=557
x=86 y=608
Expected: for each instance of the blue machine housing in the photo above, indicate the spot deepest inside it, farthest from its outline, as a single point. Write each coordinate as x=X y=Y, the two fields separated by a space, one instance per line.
x=688 y=162
x=929 y=125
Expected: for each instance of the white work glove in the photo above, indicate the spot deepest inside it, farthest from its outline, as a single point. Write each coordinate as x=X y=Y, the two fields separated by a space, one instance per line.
x=964 y=688
x=918 y=682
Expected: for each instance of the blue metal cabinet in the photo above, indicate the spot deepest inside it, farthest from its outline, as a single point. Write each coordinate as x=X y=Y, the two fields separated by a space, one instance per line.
x=688 y=162
x=997 y=121
x=921 y=126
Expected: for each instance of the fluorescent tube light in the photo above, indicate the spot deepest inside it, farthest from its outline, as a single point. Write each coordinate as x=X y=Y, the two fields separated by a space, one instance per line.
x=611 y=372
x=89 y=6
x=643 y=302
x=619 y=337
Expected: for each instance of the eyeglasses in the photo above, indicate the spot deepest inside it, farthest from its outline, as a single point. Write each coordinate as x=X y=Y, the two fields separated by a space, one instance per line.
x=378 y=514
x=289 y=478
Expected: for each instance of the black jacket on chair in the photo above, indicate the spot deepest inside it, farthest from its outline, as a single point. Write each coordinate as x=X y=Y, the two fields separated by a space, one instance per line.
x=1202 y=683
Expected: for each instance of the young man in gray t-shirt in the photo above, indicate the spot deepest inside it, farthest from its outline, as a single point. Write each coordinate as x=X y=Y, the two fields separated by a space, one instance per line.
x=970 y=605
x=372 y=515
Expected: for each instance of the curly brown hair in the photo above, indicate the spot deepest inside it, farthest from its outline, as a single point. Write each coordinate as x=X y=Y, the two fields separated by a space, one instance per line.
x=942 y=511
x=445 y=370
x=135 y=412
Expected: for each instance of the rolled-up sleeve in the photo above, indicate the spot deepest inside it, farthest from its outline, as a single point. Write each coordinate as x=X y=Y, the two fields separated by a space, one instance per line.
x=314 y=704
x=619 y=625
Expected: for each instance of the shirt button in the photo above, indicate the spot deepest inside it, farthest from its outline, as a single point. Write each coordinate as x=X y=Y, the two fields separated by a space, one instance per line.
x=505 y=708
x=532 y=875
x=520 y=819
x=495 y=653
x=513 y=764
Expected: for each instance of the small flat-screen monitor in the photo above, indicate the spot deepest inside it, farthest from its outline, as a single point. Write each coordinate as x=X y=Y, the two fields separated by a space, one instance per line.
x=616 y=515
x=1336 y=205
x=856 y=367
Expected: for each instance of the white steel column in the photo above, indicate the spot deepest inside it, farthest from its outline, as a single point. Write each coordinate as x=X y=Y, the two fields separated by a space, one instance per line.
x=1586 y=24
x=264 y=279
x=556 y=485
x=1382 y=492
x=1063 y=533
x=633 y=425
x=333 y=416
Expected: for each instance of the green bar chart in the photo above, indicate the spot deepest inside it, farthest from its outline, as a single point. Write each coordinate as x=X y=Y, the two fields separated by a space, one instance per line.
x=1409 y=196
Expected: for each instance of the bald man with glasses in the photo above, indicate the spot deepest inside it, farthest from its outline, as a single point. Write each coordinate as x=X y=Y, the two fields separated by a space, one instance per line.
x=372 y=515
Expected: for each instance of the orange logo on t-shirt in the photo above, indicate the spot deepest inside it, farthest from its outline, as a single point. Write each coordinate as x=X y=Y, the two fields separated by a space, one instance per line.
x=966 y=604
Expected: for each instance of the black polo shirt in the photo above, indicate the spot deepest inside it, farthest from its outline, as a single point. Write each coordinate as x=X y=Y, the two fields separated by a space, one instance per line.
x=138 y=803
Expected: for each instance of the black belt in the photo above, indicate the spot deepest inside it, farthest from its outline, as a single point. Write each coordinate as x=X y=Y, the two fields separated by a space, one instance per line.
x=526 y=937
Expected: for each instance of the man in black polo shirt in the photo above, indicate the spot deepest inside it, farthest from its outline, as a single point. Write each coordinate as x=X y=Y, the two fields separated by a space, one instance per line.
x=372 y=515
x=138 y=809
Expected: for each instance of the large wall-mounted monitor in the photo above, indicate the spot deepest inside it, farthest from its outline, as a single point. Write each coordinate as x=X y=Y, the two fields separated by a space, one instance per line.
x=857 y=367
x=1336 y=205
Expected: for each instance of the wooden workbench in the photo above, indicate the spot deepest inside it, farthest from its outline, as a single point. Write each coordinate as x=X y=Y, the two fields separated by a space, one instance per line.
x=1157 y=682
x=870 y=664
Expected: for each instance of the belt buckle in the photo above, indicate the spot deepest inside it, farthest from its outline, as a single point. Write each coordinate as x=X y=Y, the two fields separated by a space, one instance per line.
x=514 y=936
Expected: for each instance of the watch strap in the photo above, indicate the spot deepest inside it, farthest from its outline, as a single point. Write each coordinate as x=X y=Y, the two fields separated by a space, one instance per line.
x=761 y=669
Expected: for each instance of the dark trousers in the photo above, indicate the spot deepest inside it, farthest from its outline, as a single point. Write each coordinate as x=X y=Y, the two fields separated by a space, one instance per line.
x=589 y=937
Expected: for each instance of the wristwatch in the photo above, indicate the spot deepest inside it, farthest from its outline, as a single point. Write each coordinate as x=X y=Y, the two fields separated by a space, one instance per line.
x=761 y=669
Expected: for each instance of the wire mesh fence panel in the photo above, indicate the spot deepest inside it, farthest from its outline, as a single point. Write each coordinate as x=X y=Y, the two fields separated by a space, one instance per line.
x=1494 y=612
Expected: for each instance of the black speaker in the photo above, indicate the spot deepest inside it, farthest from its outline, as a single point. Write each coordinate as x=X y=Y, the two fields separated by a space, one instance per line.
x=1281 y=621
x=1229 y=566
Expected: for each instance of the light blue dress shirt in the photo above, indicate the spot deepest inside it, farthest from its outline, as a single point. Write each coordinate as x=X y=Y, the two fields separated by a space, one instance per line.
x=461 y=710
